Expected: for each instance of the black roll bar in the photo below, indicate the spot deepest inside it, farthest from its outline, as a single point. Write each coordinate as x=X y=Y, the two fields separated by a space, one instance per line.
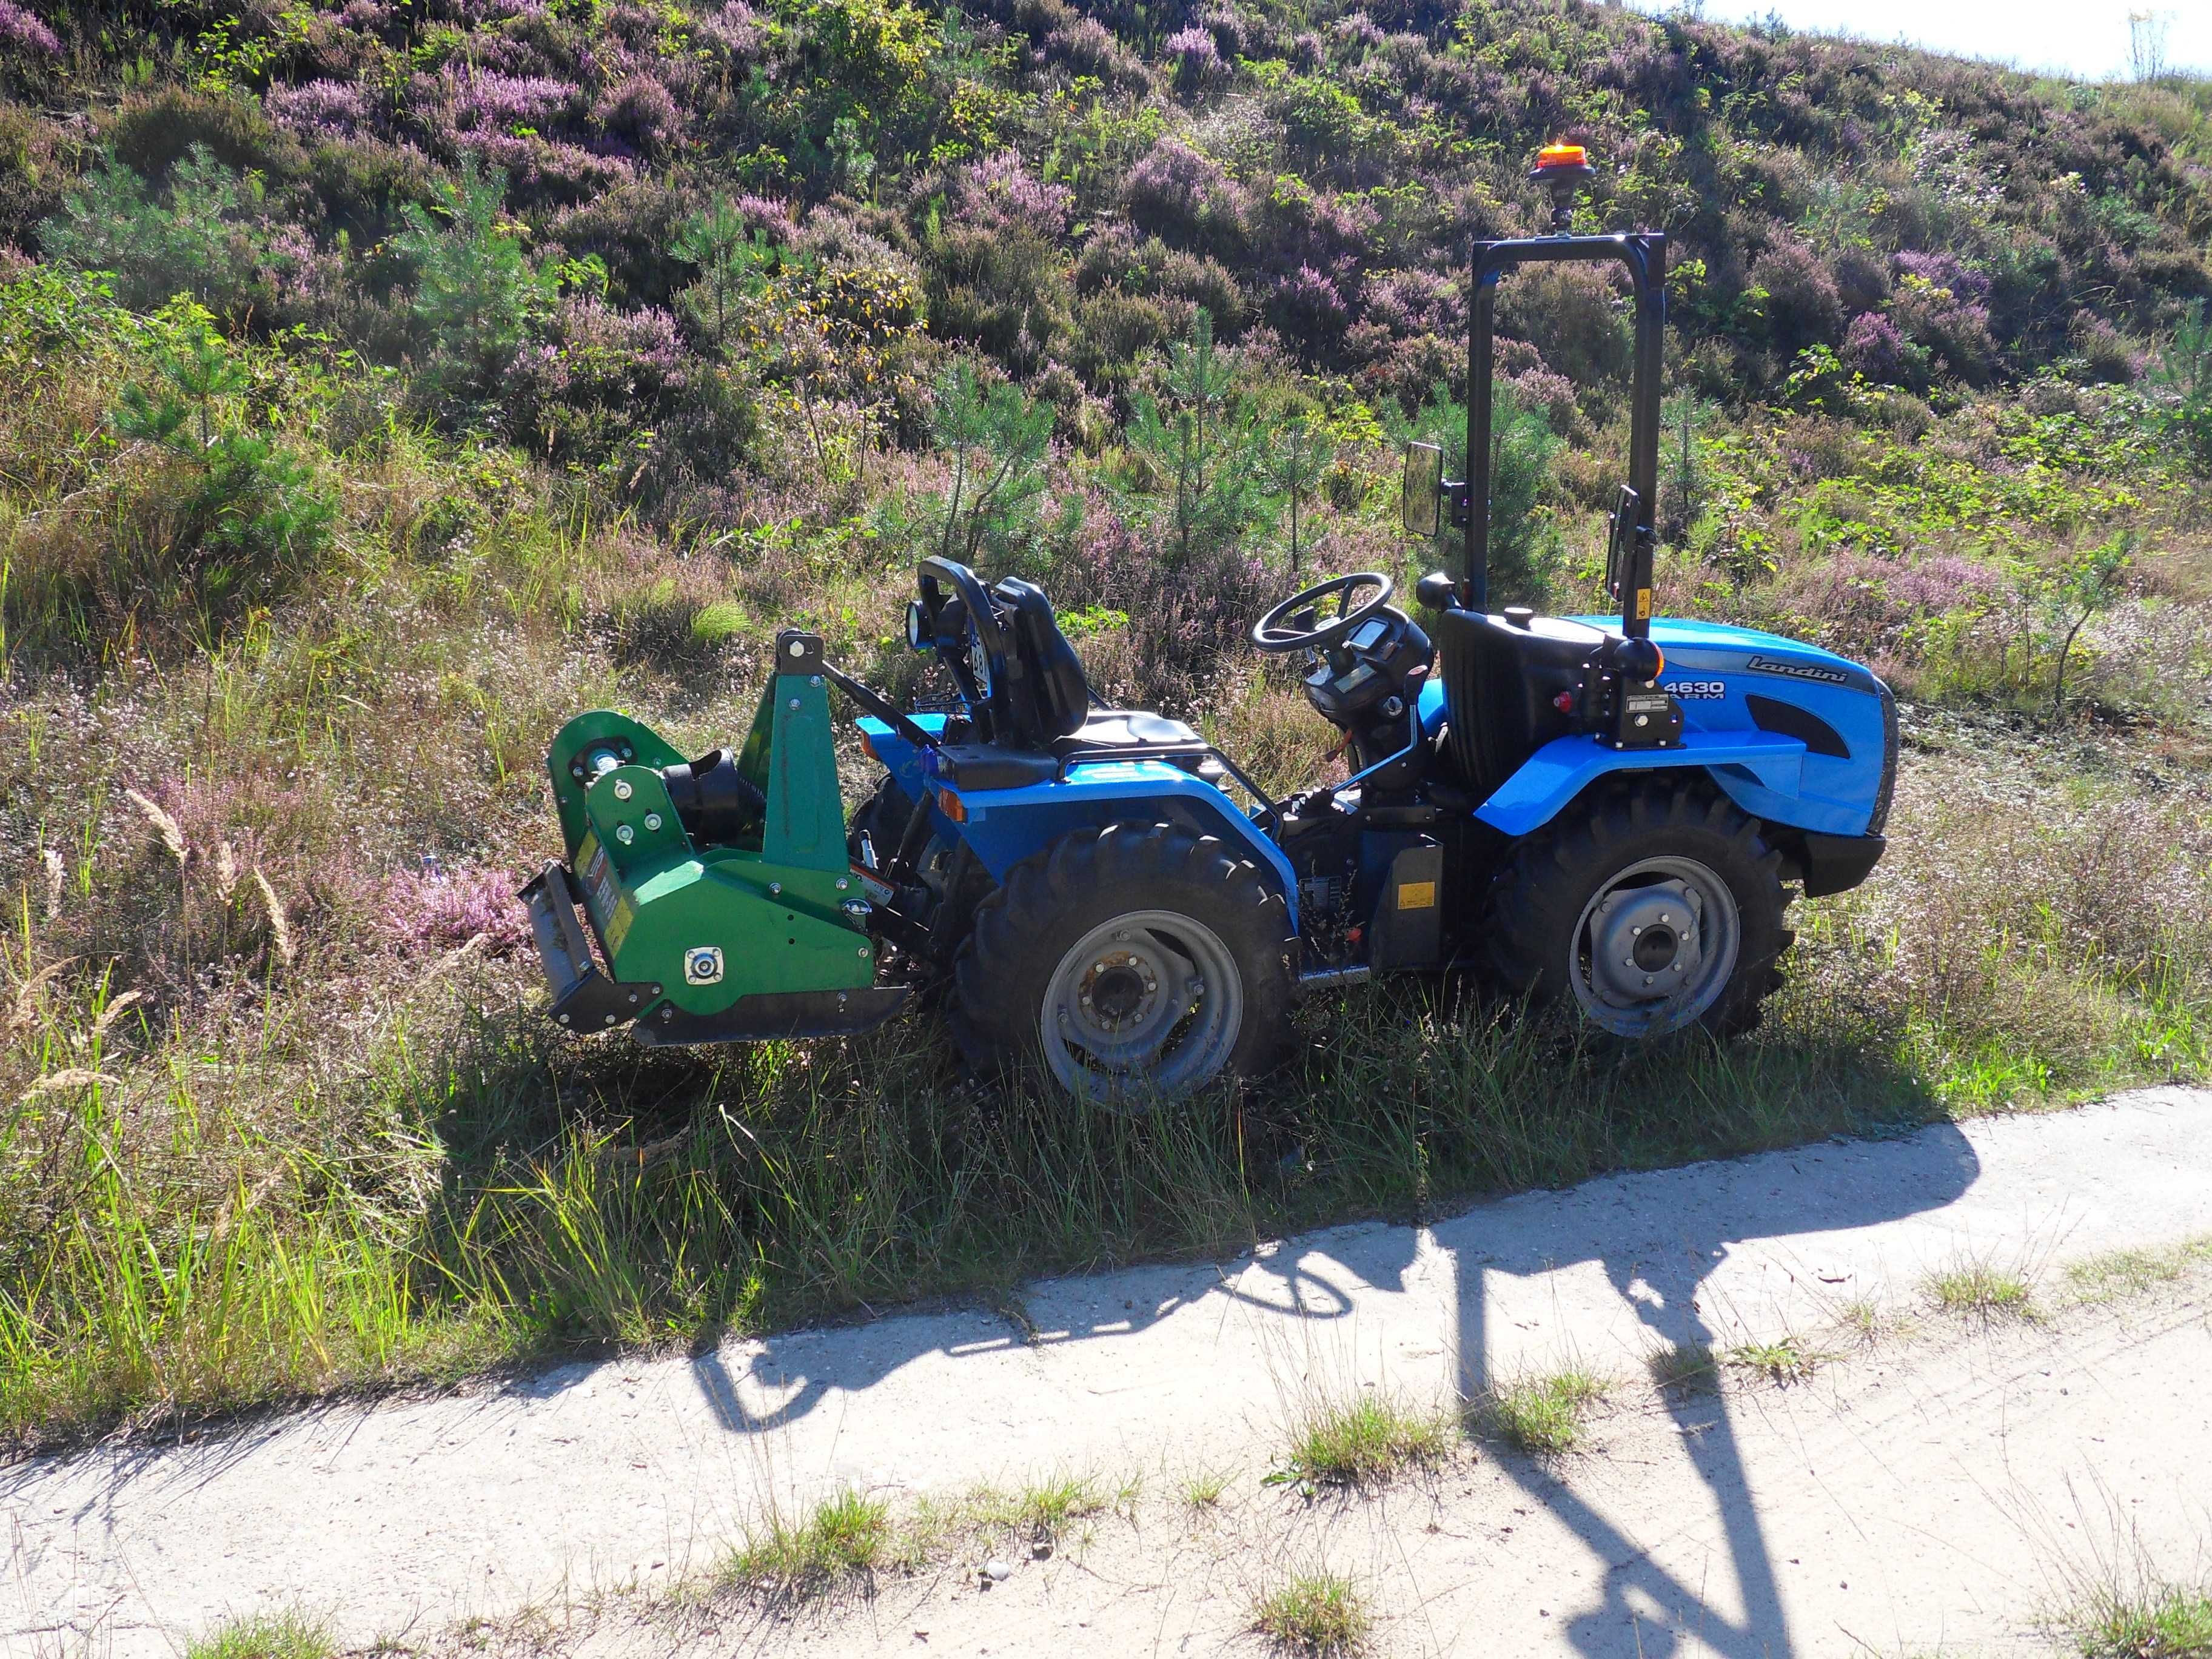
x=986 y=702
x=1644 y=253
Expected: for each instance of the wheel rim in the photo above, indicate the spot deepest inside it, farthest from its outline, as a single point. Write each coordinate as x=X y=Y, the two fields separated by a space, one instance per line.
x=1143 y=1008
x=1655 y=947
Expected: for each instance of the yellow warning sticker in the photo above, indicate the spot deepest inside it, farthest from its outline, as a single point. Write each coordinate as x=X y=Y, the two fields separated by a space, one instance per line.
x=1643 y=604
x=1417 y=895
x=618 y=927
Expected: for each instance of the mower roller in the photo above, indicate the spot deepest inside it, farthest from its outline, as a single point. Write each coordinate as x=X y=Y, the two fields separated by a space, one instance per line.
x=1608 y=813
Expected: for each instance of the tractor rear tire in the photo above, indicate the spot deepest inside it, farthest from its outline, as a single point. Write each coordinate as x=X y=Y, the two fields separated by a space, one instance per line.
x=1131 y=965
x=1655 y=905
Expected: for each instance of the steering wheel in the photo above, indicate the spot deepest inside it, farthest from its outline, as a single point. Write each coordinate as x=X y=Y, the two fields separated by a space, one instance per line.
x=1273 y=633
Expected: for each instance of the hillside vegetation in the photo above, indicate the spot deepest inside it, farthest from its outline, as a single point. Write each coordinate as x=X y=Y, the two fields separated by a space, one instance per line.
x=388 y=381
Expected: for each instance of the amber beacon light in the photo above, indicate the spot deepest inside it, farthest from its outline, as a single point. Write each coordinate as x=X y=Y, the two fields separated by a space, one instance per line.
x=1562 y=169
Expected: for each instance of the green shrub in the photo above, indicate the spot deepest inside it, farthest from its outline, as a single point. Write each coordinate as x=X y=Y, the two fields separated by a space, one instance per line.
x=1197 y=480
x=1525 y=538
x=2184 y=374
x=1003 y=289
x=476 y=292
x=200 y=236
x=995 y=439
x=250 y=507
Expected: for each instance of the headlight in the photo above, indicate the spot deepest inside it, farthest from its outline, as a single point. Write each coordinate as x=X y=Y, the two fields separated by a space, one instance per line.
x=980 y=660
x=917 y=626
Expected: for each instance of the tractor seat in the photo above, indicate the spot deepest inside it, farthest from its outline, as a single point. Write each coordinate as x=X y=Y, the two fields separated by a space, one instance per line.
x=1130 y=728
x=1051 y=699
x=1052 y=707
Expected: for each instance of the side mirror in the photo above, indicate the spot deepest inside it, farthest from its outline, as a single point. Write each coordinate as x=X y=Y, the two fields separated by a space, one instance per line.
x=1622 y=540
x=1420 y=496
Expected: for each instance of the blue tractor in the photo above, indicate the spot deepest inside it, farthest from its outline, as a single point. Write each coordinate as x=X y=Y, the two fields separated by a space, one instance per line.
x=1604 y=812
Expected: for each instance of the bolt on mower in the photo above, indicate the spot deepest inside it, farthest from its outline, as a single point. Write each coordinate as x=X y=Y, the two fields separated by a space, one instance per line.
x=1603 y=810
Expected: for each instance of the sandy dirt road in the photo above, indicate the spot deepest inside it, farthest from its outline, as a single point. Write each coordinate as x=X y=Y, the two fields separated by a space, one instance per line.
x=1941 y=1476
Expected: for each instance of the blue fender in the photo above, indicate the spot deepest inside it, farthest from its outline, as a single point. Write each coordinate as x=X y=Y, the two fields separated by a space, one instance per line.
x=1004 y=826
x=1770 y=764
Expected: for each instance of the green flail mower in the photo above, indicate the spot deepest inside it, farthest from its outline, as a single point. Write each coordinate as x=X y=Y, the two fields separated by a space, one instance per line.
x=718 y=891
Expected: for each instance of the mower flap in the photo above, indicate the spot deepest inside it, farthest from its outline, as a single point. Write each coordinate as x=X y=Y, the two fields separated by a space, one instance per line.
x=584 y=998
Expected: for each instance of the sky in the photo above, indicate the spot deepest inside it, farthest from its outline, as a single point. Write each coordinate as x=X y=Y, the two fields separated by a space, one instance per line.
x=2083 y=40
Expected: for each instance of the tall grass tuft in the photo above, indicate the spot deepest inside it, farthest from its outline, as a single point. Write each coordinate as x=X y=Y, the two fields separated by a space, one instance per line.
x=289 y=1635
x=842 y=1539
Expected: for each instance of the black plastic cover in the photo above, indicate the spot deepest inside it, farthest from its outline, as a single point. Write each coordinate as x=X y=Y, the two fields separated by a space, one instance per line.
x=1836 y=864
x=1500 y=684
x=987 y=766
x=715 y=803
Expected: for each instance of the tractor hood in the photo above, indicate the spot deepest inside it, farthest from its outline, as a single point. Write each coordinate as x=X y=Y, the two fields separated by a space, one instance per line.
x=1723 y=648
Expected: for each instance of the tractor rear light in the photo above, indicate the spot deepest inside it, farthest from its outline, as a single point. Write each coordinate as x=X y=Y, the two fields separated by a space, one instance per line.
x=868 y=743
x=1565 y=702
x=1562 y=156
x=952 y=806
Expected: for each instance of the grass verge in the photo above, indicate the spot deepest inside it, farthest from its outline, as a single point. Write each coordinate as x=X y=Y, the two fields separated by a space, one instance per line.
x=2116 y=1274
x=1784 y=1360
x=1982 y=1287
x=1685 y=1367
x=1206 y=1488
x=842 y=1541
x=2161 y=1622
x=1041 y=1510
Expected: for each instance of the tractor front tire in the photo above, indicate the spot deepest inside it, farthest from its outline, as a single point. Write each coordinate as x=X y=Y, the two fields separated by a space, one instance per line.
x=1131 y=965
x=1653 y=906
